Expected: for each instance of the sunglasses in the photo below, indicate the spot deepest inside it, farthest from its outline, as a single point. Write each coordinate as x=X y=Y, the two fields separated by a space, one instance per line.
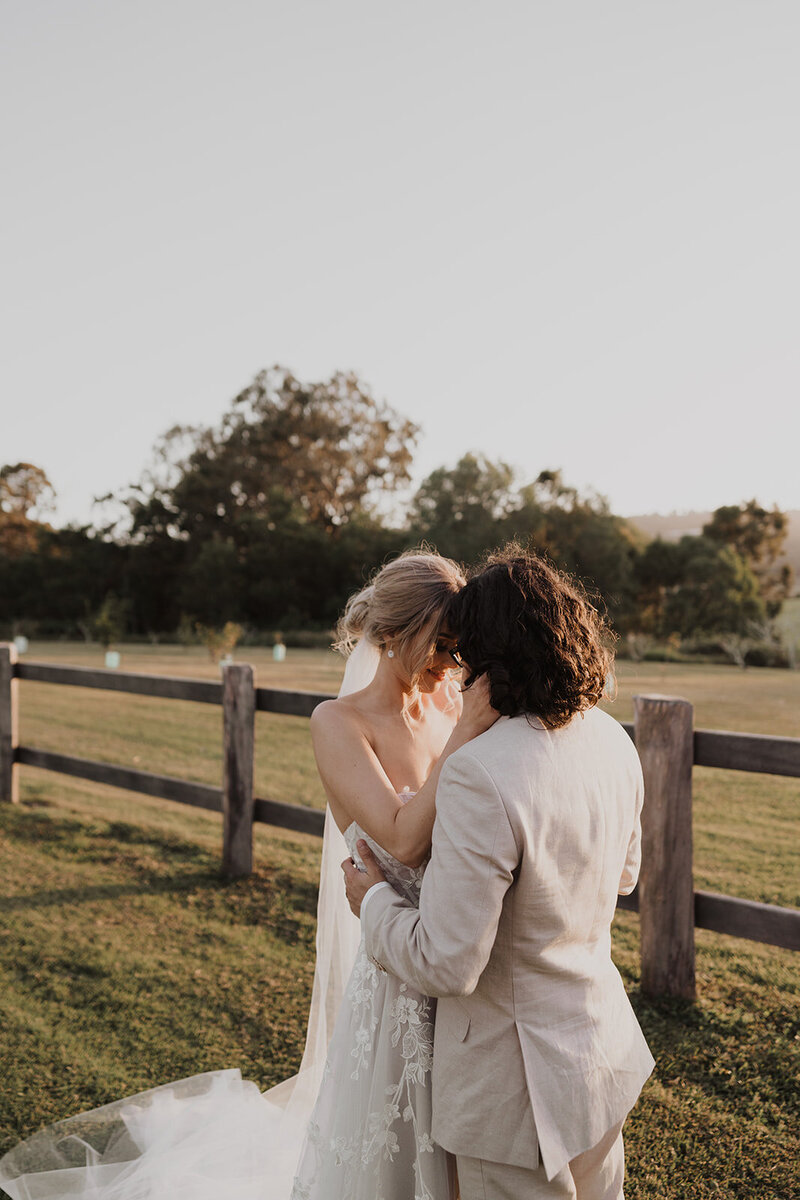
x=443 y=648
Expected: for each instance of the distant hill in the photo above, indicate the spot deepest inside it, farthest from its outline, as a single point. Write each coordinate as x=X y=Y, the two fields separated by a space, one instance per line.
x=674 y=525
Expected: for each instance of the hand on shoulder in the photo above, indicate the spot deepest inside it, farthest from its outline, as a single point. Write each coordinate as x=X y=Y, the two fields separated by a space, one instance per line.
x=477 y=714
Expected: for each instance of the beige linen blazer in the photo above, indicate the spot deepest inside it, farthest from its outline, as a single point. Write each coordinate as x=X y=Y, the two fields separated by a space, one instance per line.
x=537 y=1051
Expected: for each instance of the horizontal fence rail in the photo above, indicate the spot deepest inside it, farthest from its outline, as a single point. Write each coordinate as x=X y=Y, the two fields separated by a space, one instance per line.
x=756 y=752
x=166 y=787
x=749 y=919
x=167 y=687
x=759 y=753
x=747 y=752
x=670 y=909
x=289 y=704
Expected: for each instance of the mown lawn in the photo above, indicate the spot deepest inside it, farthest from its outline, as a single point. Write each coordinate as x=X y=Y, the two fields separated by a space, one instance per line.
x=127 y=961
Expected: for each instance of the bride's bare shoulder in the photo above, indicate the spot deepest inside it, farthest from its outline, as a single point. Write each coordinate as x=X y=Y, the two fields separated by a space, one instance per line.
x=339 y=715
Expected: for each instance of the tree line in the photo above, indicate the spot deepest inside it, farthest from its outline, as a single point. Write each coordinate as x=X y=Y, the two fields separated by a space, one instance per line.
x=274 y=515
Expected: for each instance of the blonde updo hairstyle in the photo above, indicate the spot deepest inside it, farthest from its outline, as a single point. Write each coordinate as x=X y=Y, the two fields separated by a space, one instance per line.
x=403 y=606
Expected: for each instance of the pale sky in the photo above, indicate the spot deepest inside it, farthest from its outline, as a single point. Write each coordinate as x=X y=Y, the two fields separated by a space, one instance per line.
x=562 y=233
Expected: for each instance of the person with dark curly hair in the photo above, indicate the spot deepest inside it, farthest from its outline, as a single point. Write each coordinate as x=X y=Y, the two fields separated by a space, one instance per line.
x=544 y=647
x=538 y=1056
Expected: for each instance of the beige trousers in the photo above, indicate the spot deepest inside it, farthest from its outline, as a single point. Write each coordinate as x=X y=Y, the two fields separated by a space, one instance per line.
x=597 y=1174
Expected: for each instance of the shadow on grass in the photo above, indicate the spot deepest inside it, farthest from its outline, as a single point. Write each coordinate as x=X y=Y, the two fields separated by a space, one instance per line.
x=743 y=1057
x=149 y=862
x=85 y=895
x=30 y=824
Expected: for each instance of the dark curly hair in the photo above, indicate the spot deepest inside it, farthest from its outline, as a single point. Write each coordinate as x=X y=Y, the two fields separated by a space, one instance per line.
x=532 y=630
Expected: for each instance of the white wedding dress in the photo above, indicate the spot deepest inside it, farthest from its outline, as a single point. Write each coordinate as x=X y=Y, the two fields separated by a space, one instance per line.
x=353 y=1124
x=369 y=1134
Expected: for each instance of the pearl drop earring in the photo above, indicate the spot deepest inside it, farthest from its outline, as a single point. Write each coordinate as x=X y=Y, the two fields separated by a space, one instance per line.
x=390 y=653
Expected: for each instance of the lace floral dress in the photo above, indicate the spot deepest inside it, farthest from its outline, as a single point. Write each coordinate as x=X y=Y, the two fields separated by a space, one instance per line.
x=369 y=1135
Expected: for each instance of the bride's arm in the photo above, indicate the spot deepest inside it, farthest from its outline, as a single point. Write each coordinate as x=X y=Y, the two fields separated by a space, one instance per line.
x=358 y=788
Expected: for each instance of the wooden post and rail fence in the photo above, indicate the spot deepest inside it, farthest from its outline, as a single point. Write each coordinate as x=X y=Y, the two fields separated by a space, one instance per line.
x=668 y=744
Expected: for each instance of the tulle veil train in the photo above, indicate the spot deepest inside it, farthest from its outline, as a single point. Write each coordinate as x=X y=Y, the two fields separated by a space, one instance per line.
x=213 y=1136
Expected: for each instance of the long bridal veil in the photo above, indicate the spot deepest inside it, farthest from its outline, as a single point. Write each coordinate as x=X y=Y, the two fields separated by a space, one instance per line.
x=338 y=936
x=212 y=1135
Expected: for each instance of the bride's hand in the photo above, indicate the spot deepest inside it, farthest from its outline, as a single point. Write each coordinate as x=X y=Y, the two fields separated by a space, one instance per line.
x=477 y=714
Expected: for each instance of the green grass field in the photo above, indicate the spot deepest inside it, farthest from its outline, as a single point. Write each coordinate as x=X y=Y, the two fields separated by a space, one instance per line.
x=127 y=961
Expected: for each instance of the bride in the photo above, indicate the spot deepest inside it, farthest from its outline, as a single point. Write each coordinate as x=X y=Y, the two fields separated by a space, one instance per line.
x=354 y=1123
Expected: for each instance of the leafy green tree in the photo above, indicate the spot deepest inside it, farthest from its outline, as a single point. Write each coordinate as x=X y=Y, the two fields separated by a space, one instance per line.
x=758 y=535
x=659 y=570
x=299 y=575
x=250 y=519
x=581 y=535
x=155 y=581
x=460 y=509
x=25 y=488
x=59 y=583
x=110 y=620
x=219 y=642
x=322 y=451
x=25 y=494
x=467 y=510
x=212 y=582
x=717 y=593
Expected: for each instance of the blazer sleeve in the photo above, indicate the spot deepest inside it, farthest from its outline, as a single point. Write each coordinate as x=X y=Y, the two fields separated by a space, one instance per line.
x=633 y=858
x=442 y=947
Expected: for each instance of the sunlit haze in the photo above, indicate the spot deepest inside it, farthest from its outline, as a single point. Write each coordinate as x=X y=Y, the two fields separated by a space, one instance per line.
x=565 y=235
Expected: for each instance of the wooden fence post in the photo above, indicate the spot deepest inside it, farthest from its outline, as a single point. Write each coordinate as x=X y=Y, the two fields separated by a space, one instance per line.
x=665 y=742
x=9 y=724
x=238 y=716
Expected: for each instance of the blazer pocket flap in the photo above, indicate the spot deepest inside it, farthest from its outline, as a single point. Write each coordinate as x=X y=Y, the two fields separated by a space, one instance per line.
x=460 y=1023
